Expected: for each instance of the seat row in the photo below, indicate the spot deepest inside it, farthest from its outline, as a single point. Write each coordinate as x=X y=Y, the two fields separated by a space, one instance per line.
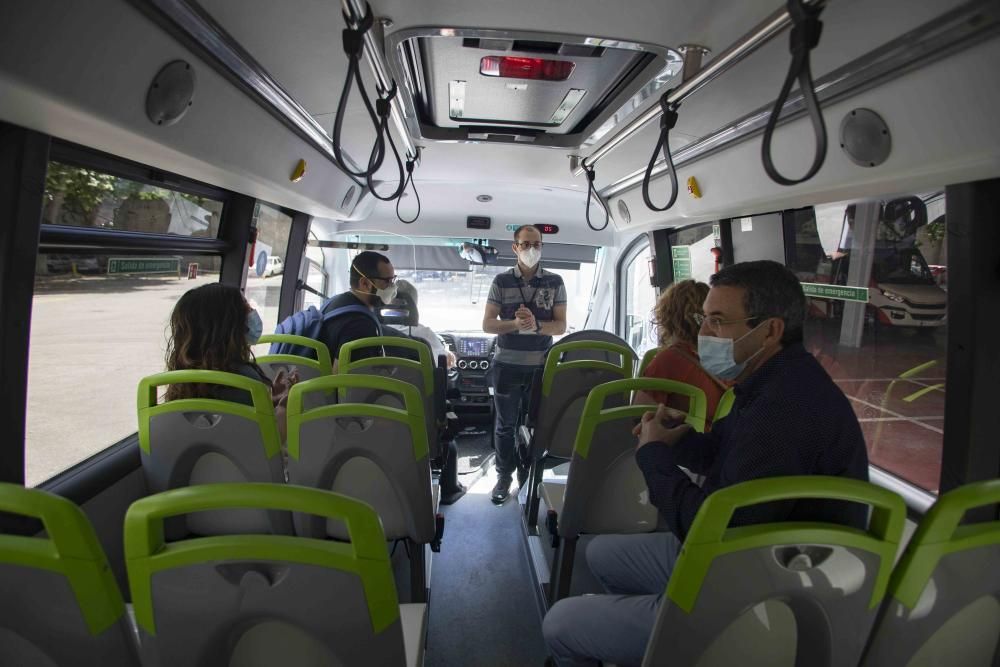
x=363 y=432
x=238 y=599
x=826 y=585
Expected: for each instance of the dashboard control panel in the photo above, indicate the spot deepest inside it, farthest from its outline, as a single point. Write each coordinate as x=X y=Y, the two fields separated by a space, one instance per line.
x=474 y=359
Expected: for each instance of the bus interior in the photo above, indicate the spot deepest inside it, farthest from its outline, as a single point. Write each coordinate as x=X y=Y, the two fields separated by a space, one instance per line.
x=148 y=147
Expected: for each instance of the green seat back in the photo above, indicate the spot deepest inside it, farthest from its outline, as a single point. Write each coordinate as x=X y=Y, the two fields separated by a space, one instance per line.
x=419 y=373
x=217 y=600
x=372 y=451
x=647 y=358
x=725 y=405
x=605 y=490
x=943 y=605
x=61 y=603
x=566 y=382
x=803 y=593
x=321 y=364
x=199 y=441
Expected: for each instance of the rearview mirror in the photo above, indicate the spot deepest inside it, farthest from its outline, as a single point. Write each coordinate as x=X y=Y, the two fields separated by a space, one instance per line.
x=475 y=253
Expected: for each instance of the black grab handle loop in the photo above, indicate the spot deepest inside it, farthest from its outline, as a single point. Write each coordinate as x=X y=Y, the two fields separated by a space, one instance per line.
x=353 y=42
x=409 y=181
x=668 y=119
x=593 y=194
x=806 y=30
x=384 y=107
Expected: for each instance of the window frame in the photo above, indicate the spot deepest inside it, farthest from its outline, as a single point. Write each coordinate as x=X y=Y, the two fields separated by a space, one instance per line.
x=83 y=479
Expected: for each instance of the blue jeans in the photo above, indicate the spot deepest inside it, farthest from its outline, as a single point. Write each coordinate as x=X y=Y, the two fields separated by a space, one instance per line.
x=511 y=387
x=614 y=628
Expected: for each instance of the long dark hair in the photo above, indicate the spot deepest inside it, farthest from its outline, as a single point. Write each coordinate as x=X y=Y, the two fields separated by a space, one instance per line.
x=208 y=328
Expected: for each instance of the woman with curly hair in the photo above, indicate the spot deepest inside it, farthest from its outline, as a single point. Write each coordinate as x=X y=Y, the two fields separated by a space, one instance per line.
x=212 y=328
x=678 y=356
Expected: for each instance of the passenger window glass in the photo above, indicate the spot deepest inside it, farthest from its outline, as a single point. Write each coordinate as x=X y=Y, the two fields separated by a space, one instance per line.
x=316 y=278
x=691 y=252
x=875 y=278
x=79 y=197
x=640 y=297
x=99 y=324
x=267 y=265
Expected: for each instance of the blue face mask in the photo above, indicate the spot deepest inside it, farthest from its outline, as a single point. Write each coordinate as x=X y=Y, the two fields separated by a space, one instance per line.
x=255 y=327
x=716 y=355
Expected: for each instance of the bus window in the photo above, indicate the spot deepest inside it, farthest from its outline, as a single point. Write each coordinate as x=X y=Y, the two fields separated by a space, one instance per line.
x=99 y=323
x=265 y=269
x=79 y=197
x=691 y=251
x=640 y=297
x=877 y=322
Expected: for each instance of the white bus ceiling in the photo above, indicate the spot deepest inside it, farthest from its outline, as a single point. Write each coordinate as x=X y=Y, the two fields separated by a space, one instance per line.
x=80 y=71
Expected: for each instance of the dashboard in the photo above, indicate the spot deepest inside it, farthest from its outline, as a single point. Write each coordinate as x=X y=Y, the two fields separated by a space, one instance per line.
x=470 y=378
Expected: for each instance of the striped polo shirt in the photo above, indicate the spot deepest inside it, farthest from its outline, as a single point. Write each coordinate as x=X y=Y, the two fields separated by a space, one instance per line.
x=541 y=295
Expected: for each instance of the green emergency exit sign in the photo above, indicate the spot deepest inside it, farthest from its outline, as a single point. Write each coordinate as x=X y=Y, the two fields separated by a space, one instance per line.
x=838 y=292
x=681 y=257
x=143 y=265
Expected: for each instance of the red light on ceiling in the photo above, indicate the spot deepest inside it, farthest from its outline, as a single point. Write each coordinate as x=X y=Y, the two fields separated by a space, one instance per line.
x=513 y=67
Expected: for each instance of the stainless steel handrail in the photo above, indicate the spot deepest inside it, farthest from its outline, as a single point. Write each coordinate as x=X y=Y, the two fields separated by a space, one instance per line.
x=764 y=32
x=956 y=30
x=376 y=60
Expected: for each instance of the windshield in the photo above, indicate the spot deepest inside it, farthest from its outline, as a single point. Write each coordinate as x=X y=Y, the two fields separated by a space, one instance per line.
x=903 y=267
x=456 y=300
x=451 y=292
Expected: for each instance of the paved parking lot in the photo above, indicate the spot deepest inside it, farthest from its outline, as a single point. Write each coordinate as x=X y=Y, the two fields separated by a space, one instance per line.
x=92 y=339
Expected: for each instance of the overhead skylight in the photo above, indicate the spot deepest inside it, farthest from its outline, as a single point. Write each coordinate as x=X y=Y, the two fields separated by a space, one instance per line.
x=544 y=89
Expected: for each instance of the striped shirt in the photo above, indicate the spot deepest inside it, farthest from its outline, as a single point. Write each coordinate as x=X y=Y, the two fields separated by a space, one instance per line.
x=541 y=295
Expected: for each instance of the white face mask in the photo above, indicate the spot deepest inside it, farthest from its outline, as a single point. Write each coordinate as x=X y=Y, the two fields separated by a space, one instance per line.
x=530 y=257
x=387 y=295
x=717 y=356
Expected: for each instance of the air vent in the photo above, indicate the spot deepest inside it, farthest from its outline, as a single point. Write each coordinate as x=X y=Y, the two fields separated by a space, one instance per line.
x=500 y=86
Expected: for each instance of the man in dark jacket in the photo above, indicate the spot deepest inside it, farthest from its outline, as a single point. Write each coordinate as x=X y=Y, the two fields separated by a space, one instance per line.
x=789 y=418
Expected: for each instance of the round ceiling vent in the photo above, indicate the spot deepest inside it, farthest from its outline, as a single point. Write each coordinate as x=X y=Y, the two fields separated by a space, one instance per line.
x=484 y=198
x=624 y=212
x=171 y=93
x=865 y=138
x=348 y=197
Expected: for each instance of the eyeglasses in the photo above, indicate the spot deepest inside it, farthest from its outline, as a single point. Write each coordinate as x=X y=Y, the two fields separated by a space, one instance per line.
x=715 y=323
x=389 y=279
x=525 y=245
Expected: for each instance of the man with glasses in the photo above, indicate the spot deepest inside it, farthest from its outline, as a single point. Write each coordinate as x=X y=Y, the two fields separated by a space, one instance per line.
x=789 y=418
x=373 y=283
x=526 y=307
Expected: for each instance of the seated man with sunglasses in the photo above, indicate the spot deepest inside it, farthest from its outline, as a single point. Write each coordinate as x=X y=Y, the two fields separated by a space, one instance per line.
x=789 y=418
x=373 y=284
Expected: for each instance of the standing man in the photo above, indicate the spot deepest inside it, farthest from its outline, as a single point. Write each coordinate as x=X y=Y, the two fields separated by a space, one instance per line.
x=526 y=308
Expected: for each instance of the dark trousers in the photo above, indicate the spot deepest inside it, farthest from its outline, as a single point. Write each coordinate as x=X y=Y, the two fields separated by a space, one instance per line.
x=511 y=386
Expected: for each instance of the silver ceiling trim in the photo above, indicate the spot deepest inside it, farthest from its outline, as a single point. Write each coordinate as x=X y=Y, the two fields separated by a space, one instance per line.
x=396 y=46
x=190 y=22
x=954 y=31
